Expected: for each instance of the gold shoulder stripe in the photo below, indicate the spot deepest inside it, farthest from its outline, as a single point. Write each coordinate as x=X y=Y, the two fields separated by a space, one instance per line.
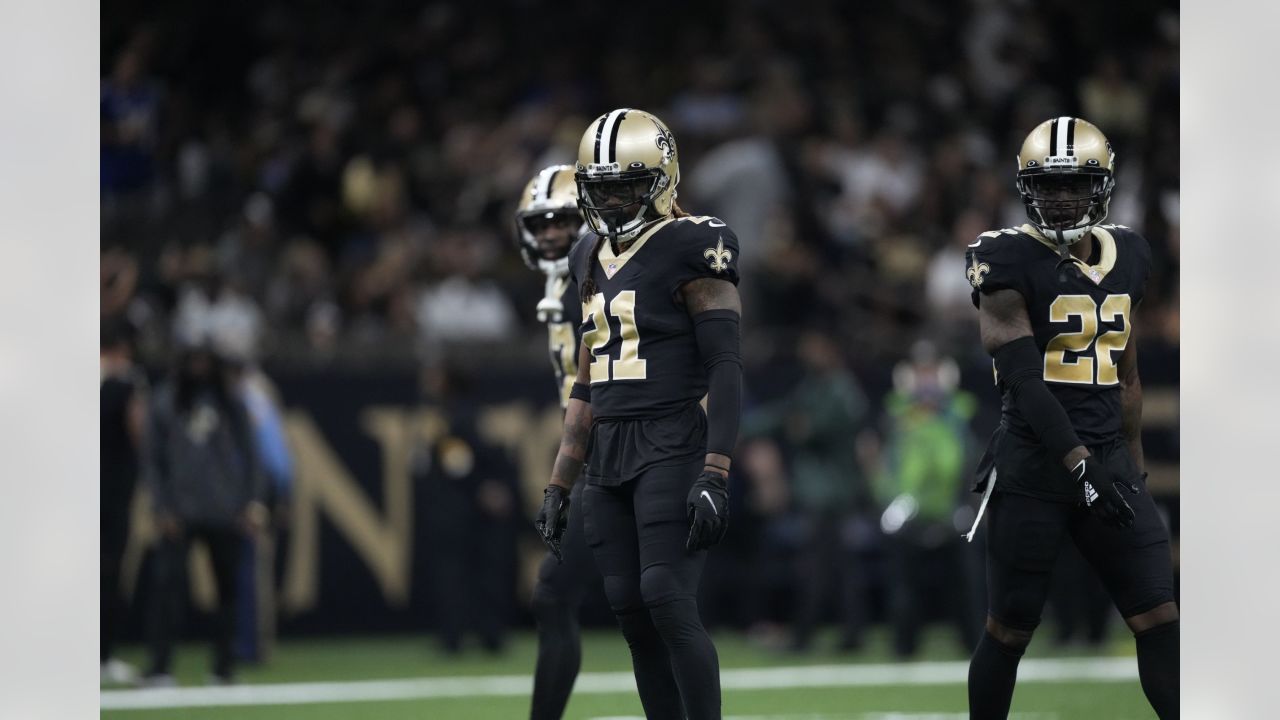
x=1108 y=259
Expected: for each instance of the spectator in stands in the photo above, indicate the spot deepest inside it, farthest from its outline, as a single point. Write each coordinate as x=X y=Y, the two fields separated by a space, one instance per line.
x=468 y=522
x=465 y=305
x=817 y=422
x=205 y=485
x=255 y=600
x=122 y=406
x=919 y=487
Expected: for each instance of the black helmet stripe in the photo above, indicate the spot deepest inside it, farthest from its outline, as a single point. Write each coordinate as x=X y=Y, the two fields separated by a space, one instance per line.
x=599 y=133
x=1061 y=136
x=613 y=135
x=549 y=184
x=1053 y=140
x=1071 y=137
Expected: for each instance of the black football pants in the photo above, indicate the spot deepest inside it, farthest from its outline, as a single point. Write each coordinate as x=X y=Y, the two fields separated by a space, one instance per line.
x=637 y=532
x=114 y=536
x=168 y=593
x=1024 y=536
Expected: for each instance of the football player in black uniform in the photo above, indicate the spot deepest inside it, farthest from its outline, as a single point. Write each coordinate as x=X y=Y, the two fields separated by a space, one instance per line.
x=547 y=223
x=1055 y=299
x=660 y=330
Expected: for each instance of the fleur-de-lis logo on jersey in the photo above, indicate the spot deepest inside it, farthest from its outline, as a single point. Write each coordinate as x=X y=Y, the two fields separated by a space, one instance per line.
x=976 y=271
x=718 y=257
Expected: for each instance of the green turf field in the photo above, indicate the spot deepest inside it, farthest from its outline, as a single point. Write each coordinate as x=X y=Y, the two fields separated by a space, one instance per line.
x=759 y=682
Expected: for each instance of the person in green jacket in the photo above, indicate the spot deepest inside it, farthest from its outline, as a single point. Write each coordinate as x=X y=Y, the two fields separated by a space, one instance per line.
x=920 y=488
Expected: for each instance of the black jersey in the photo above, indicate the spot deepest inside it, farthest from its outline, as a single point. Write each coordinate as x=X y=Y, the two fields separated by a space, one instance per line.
x=1080 y=317
x=564 y=336
x=645 y=357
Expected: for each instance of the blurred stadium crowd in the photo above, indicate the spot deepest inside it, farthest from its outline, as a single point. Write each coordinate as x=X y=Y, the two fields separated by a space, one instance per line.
x=343 y=181
x=332 y=184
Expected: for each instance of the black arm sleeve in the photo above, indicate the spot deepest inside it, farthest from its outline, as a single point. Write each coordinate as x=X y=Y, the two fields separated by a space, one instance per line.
x=1021 y=370
x=718 y=344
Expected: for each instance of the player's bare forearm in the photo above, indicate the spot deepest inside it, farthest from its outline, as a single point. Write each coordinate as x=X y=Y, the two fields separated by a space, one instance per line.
x=573 y=444
x=1131 y=403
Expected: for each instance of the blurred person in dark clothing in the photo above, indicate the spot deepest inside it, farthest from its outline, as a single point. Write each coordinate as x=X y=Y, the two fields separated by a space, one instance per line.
x=920 y=489
x=128 y=109
x=818 y=422
x=255 y=600
x=122 y=406
x=206 y=485
x=764 y=549
x=470 y=525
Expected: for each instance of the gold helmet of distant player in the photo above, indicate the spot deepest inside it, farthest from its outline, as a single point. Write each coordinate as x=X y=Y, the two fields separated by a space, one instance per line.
x=627 y=173
x=551 y=195
x=1066 y=172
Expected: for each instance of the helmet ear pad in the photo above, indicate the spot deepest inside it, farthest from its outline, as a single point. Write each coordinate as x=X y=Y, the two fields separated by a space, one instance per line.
x=663 y=201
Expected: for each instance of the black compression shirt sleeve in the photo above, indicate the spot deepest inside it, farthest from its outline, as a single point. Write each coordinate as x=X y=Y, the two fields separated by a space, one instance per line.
x=717 y=333
x=1020 y=367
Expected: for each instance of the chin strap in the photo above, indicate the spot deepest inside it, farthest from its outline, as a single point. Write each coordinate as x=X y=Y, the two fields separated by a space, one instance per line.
x=1064 y=249
x=550 y=309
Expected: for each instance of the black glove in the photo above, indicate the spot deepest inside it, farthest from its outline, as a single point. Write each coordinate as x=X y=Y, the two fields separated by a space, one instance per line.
x=553 y=518
x=708 y=511
x=1102 y=493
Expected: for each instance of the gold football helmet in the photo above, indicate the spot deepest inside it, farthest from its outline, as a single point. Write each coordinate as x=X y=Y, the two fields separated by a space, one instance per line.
x=549 y=199
x=1066 y=172
x=627 y=173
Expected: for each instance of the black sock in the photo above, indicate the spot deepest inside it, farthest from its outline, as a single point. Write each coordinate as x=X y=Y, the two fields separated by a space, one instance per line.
x=559 y=655
x=1158 y=668
x=693 y=656
x=992 y=672
x=659 y=693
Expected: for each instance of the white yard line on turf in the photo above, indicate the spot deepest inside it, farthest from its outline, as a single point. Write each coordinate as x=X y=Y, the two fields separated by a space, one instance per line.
x=860 y=716
x=856 y=675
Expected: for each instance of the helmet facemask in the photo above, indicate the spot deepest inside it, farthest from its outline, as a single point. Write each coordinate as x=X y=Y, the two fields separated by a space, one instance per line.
x=532 y=223
x=1065 y=203
x=620 y=205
